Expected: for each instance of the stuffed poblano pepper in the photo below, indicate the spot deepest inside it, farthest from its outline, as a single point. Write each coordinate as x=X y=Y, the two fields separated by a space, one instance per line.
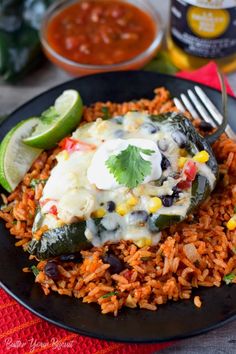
x=127 y=178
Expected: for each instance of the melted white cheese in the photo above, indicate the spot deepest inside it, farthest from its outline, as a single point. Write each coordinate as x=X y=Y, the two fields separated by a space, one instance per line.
x=68 y=174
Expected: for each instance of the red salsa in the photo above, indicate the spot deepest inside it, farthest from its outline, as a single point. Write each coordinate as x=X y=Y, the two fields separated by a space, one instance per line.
x=100 y=32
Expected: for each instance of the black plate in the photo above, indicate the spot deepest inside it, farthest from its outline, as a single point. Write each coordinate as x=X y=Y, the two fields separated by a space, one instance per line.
x=171 y=321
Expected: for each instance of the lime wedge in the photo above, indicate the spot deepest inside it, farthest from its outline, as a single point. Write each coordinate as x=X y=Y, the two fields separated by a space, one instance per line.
x=16 y=158
x=58 y=121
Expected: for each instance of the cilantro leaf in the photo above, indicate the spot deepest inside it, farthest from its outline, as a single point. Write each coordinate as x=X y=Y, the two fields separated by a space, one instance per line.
x=36 y=181
x=110 y=294
x=106 y=113
x=229 y=278
x=129 y=168
x=35 y=270
x=145 y=259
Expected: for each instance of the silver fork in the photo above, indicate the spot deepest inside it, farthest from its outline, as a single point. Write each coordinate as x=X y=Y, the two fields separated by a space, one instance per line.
x=200 y=106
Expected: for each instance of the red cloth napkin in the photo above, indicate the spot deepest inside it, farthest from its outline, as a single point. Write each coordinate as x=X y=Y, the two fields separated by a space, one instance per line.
x=206 y=75
x=21 y=332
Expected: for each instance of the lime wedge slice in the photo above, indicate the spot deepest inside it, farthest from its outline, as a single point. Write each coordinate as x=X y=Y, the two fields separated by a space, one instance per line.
x=16 y=158
x=58 y=121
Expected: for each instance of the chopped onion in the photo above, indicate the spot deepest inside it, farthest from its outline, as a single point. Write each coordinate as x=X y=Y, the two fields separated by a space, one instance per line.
x=191 y=252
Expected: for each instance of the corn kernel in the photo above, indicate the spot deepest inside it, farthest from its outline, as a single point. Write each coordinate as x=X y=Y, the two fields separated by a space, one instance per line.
x=201 y=156
x=99 y=213
x=132 y=201
x=154 y=204
x=122 y=209
x=139 y=243
x=181 y=162
x=142 y=242
x=60 y=223
x=148 y=242
x=231 y=224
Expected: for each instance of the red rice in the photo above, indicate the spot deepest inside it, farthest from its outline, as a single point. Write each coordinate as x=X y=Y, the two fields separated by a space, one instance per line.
x=153 y=275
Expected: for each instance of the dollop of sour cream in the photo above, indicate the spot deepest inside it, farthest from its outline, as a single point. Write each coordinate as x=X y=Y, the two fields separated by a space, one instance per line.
x=98 y=173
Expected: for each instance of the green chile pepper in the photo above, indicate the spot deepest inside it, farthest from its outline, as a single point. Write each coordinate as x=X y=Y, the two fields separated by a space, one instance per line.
x=200 y=186
x=59 y=241
x=71 y=238
x=158 y=222
x=3 y=53
x=20 y=48
x=200 y=191
x=62 y=240
x=194 y=141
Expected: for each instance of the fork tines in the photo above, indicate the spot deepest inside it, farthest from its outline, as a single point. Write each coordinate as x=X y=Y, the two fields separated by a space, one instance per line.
x=200 y=106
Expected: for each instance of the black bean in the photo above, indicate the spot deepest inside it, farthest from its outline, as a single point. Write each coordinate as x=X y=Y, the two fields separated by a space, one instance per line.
x=179 y=138
x=116 y=265
x=75 y=257
x=221 y=176
x=163 y=144
x=167 y=200
x=150 y=128
x=119 y=133
x=137 y=217
x=111 y=206
x=176 y=192
x=165 y=163
x=205 y=126
x=51 y=270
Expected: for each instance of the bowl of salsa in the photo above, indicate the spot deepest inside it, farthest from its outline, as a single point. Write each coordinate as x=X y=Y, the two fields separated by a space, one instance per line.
x=88 y=36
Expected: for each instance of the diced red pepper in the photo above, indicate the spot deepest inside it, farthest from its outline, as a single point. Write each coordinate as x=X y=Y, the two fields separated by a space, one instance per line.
x=68 y=144
x=190 y=170
x=127 y=274
x=189 y=174
x=71 y=145
x=184 y=185
x=53 y=210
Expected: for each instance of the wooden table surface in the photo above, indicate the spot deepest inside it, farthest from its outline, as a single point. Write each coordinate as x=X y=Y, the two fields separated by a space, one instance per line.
x=219 y=341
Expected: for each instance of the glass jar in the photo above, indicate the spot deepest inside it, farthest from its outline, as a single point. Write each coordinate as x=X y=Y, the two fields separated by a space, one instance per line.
x=202 y=30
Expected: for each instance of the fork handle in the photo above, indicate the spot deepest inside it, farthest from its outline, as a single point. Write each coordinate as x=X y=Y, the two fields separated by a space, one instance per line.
x=221 y=129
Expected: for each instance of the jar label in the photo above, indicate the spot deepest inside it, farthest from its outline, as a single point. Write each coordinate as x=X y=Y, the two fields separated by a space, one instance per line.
x=204 y=32
x=212 y=4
